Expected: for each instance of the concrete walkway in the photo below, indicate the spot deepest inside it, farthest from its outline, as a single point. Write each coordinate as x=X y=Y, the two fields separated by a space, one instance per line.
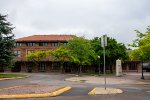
x=127 y=78
x=100 y=80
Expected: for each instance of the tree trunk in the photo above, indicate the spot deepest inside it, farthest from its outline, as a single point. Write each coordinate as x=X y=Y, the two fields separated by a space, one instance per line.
x=80 y=70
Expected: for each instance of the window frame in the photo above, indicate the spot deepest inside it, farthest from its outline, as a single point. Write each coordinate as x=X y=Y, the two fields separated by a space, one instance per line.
x=55 y=44
x=29 y=44
x=18 y=53
x=42 y=67
x=43 y=43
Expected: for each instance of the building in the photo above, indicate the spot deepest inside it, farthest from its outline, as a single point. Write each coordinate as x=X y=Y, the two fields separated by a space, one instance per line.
x=29 y=44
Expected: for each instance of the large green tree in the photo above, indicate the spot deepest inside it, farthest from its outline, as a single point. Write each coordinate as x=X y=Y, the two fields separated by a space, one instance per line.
x=60 y=54
x=114 y=51
x=142 y=44
x=80 y=52
x=6 y=42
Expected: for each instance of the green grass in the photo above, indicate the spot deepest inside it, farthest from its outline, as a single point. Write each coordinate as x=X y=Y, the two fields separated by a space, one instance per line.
x=11 y=75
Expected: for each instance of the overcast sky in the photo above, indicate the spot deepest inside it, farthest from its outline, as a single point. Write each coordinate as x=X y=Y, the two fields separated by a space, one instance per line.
x=89 y=18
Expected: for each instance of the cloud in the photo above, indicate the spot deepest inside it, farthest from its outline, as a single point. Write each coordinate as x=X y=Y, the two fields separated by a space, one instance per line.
x=117 y=18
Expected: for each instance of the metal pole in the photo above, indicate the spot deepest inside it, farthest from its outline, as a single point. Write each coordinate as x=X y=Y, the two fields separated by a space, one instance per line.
x=104 y=69
x=142 y=70
x=99 y=67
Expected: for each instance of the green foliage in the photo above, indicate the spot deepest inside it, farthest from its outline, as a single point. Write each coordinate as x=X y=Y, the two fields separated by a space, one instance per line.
x=80 y=51
x=6 y=42
x=114 y=51
x=60 y=54
x=37 y=56
x=143 y=50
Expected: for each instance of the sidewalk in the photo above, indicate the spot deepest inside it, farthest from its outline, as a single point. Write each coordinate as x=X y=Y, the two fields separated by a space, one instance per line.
x=127 y=78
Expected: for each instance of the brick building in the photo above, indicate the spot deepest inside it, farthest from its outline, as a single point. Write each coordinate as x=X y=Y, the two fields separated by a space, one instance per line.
x=29 y=44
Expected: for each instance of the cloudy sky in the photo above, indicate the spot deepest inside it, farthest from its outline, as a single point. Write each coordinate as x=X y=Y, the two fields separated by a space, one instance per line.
x=89 y=18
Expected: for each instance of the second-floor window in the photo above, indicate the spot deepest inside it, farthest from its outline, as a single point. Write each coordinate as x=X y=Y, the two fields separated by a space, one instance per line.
x=55 y=44
x=17 y=44
x=30 y=44
x=43 y=44
x=17 y=53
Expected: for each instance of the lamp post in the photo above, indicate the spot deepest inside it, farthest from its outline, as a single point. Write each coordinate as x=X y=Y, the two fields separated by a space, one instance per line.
x=99 y=66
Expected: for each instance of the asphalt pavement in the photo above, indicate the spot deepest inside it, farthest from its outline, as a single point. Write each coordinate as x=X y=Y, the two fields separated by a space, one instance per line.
x=80 y=89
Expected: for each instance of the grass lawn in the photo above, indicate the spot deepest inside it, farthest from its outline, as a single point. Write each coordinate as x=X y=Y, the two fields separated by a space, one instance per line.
x=11 y=75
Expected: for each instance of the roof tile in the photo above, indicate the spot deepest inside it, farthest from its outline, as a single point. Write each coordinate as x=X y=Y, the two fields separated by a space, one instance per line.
x=46 y=38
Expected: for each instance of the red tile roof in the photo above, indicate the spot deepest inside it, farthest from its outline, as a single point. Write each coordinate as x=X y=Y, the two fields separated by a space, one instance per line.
x=46 y=38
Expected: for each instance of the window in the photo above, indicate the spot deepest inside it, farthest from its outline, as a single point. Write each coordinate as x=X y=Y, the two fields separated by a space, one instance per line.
x=29 y=51
x=43 y=44
x=132 y=66
x=55 y=44
x=42 y=67
x=17 y=44
x=17 y=53
x=65 y=43
x=30 y=44
x=55 y=66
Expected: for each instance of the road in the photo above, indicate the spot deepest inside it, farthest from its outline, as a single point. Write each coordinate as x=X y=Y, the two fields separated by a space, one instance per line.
x=79 y=90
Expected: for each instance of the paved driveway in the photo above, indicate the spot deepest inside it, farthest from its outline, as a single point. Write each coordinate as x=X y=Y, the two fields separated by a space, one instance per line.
x=79 y=90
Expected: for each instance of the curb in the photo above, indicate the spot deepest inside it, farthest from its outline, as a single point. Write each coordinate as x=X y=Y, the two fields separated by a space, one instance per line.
x=51 y=94
x=13 y=78
x=103 y=91
x=92 y=91
x=141 y=83
x=148 y=91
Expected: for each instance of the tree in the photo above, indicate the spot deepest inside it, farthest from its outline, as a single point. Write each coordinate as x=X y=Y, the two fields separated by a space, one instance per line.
x=37 y=56
x=6 y=42
x=143 y=46
x=60 y=54
x=80 y=52
x=114 y=51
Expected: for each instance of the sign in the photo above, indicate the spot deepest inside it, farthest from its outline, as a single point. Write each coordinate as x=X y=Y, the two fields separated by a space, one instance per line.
x=104 y=41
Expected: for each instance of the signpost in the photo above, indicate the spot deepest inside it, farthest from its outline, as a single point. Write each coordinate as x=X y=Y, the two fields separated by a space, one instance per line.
x=104 y=44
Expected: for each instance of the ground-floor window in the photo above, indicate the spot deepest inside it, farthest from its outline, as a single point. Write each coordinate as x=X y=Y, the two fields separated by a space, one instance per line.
x=42 y=67
x=56 y=66
x=132 y=66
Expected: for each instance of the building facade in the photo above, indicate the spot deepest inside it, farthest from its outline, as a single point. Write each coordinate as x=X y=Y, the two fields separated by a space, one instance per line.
x=34 y=43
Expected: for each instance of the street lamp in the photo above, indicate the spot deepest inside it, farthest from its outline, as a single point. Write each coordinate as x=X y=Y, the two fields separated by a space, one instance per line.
x=99 y=66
